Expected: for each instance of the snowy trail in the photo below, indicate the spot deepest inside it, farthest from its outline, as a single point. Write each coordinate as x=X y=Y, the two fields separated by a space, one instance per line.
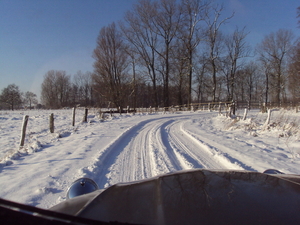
x=143 y=156
x=193 y=152
x=223 y=152
x=137 y=154
x=150 y=148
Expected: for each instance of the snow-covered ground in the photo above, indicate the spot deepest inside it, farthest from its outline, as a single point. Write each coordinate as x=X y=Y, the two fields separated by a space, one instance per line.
x=133 y=147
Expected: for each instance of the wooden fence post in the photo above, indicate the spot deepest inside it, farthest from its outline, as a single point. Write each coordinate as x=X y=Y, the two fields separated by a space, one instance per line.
x=269 y=117
x=23 y=131
x=51 y=123
x=233 y=107
x=100 y=114
x=73 y=117
x=245 y=113
x=85 y=115
x=229 y=111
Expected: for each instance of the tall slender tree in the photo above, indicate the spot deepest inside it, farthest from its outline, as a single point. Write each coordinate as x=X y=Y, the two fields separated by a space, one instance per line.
x=111 y=66
x=294 y=74
x=214 y=41
x=191 y=33
x=82 y=88
x=144 y=41
x=166 y=23
x=236 y=49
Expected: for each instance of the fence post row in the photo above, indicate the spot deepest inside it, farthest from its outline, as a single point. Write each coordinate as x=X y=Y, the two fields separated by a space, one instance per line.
x=231 y=110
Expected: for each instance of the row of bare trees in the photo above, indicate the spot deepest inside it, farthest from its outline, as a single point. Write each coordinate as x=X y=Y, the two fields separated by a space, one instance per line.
x=59 y=90
x=164 y=42
x=276 y=56
x=12 y=98
x=169 y=52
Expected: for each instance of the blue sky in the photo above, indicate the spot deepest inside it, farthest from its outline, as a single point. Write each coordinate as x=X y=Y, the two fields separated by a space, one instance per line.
x=41 y=35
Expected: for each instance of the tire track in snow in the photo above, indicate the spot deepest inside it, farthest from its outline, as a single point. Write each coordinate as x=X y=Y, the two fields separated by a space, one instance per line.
x=144 y=156
x=101 y=169
x=136 y=154
x=194 y=153
x=174 y=146
x=216 y=151
x=150 y=148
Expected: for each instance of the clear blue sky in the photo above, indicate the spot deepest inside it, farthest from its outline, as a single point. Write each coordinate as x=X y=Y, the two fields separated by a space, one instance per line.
x=41 y=35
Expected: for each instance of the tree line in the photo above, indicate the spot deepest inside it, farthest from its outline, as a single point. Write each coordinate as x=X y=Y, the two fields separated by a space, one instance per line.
x=12 y=98
x=168 y=52
x=175 y=53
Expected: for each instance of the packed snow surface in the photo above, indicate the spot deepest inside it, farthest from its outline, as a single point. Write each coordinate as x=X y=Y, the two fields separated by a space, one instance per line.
x=127 y=147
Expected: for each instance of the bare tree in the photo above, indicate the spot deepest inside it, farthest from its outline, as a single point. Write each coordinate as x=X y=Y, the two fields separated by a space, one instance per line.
x=82 y=88
x=191 y=33
x=56 y=89
x=266 y=69
x=143 y=40
x=274 y=51
x=247 y=78
x=180 y=70
x=166 y=23
x=236 y=49
x=165 y=34
x=63 y=84
x=12 y=96
x=294 y=74
x=48 y=93
x=151 y=27
x=30 y=98
x=202 y=79
x=132 y=55
x=77 y=88
x=111 y=78
x=214 y=41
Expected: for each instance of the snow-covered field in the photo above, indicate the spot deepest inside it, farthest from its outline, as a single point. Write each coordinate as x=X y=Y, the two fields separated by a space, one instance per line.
x=133 y=147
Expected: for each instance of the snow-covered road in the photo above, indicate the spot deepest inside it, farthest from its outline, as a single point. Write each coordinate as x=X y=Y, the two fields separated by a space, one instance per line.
x=153 y=147
x=129 y=148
